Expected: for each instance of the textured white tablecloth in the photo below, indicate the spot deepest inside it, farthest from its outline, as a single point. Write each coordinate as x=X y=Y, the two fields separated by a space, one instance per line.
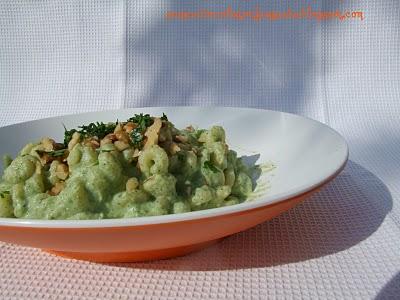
x=59 y=57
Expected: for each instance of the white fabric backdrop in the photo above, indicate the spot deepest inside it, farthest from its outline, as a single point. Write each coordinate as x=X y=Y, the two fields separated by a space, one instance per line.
x=59 y=57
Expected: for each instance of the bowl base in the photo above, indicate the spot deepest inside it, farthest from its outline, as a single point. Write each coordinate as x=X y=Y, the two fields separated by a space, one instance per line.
x=135 y=256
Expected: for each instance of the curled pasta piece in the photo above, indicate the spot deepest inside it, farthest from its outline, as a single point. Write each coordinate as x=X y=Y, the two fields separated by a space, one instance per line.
x=231 y=200
x=181 y=207
x=203 y=195
x=184 y=162
x=229 y=173
x=27 y=149
x=21 y=168
x=212 y=175
x=223 y=192
x=6 y=208
x=34 y=185
x=74 y=199
x=215 y=134
x=89 y=156
x=153 y=208
x=18 y=200
x=153 y=160
x=218 y=154
x=231 y=157
x=126 y=204
x=160 y=185
x=97 y=185
x=74 y=156
x=242 y=186
x=110 y=166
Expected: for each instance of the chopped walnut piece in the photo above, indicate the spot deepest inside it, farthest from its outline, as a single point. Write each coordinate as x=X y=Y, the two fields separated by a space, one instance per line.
x=136 y=153
x=174 y=148
x=190 y=128
x=128 y=127
x=45 y=158
x=38 y=169
x=132 y=184
x=152 y=133
x=111 y=136
x=122 y=136
x=95 y=143
x=186 y=147
x=120 y=145
x=62 y=171
x=118 y=128
x=75 y=140
x=181 y=138
x=92 y=142
x=48 y=144
x=105 y=141
x=57 y=188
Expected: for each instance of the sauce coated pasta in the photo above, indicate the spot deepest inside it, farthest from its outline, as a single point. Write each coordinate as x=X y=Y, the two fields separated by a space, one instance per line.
x=142 y=167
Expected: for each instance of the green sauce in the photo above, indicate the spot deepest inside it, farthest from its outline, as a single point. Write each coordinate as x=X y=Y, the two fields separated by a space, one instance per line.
x=97 y=182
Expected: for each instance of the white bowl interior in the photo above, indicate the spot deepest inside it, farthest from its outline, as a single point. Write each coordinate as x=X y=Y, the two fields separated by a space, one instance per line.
x=305 y=152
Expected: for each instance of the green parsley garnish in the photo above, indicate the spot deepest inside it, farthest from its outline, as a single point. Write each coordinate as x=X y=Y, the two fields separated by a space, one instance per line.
x=142 y=122
x=164 y=117
x=68 y=135
x=136 y=136
x=98 y=129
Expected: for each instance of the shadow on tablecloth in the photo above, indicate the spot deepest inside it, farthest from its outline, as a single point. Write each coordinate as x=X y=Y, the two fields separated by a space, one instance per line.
x=391 y=290
x=345 y=212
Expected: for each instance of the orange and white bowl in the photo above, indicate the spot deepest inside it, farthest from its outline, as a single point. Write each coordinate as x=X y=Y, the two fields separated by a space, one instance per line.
x=307 y=154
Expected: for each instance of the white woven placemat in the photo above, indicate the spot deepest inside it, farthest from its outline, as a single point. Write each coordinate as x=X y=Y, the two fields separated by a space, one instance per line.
x=344 y=242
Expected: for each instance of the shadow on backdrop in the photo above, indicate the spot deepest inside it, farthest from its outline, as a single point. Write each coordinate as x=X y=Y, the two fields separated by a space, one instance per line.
x=344 y=213
x=268 y=64
x=253 y=64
